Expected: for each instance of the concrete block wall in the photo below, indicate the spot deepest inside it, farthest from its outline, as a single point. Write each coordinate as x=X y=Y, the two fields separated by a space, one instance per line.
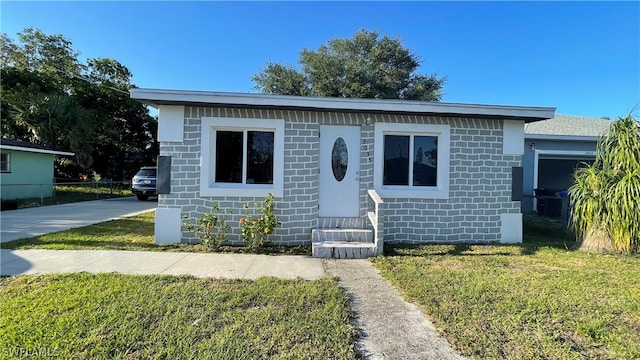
x=480 y=179
x=479 y=192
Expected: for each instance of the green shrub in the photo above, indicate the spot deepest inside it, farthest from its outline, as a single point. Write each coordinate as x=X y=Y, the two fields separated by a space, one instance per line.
x=606 y=194
x=255 y=229
x=211 y=228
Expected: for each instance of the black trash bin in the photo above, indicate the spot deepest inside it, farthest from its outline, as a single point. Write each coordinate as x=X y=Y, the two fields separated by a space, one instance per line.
x=548 y=202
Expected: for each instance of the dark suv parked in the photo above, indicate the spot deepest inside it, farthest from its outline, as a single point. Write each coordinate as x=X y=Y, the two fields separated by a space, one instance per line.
x=143 y=183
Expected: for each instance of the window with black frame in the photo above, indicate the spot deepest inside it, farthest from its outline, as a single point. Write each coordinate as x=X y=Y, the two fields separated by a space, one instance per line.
x=244 y=157
x=422 y=170
x=5 y=163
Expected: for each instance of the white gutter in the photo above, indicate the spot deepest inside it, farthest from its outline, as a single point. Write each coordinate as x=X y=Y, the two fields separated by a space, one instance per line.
x=41 y=151
x=560 y=137
x=157 y=97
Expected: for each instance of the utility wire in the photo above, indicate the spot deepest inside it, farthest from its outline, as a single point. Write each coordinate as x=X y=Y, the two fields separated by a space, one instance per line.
x=89 y=81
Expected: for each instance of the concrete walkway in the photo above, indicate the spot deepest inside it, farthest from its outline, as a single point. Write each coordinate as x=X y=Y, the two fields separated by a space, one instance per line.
x=24 y=223
x=391 y=328
x=236 y=266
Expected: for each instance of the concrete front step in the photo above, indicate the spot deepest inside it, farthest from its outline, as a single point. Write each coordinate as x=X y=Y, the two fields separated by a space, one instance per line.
x=347 y=235
x=343 y=250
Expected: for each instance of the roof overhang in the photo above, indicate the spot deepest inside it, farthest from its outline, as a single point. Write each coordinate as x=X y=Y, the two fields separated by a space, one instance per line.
x=158 y=97
x=560 y=137
x=39 y=151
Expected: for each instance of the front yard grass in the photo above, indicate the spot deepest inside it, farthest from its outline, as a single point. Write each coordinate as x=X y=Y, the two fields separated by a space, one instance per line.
x=537 y=300
x=133 y=233
x=114 y=316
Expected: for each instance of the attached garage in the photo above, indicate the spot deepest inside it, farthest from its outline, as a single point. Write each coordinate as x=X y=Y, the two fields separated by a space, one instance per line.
x=553 y=149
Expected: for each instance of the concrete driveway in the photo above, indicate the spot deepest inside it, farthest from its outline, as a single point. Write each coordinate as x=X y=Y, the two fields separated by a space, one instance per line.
x=23 y=223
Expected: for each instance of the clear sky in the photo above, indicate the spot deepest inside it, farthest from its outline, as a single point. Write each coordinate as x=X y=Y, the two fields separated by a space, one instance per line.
x=581 y=57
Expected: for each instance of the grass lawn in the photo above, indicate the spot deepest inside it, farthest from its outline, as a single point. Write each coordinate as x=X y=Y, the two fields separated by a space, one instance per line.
x=113 y=316
x=134 y=233
x=537 y=300
x=65 y=194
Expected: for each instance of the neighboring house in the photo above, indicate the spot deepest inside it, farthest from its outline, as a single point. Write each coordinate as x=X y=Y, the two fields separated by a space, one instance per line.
x=348 y=173
x=26 y=169
x=552 y=150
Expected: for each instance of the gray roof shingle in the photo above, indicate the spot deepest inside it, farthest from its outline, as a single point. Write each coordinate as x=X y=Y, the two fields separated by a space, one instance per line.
x=24 y=144
x=568 y=126
x=31 y=147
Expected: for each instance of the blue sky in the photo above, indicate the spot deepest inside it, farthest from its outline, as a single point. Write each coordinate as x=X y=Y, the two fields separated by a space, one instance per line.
x=581 y=57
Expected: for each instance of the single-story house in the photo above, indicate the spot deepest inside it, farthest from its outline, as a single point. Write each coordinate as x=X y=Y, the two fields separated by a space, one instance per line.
x=26 y=169
x=347 y=174
x=552 y=150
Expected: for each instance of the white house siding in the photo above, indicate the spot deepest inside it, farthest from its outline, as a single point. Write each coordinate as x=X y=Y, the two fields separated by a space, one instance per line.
x=479 y=191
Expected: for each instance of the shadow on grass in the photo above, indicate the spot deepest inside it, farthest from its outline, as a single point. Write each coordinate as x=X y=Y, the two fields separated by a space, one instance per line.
x=441 y=249
x=480 y=249
x=267 y=250
x=73 y=244
x=107 y=235
x=125 y=226
x=539 y=233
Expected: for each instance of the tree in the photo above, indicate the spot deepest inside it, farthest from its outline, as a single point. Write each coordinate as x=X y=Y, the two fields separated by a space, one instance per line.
x=59 y=121
x=125 y=136
x=364 y=66
x=606 y=194
x=50 y=55
x=50 y=97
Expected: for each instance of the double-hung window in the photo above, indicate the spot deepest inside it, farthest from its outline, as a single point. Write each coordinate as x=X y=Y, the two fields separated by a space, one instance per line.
x=5 y=163
x=412 y=160
x=242 y=157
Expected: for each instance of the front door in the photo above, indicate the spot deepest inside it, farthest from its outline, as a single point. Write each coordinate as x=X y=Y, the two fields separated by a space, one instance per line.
x=339 y=171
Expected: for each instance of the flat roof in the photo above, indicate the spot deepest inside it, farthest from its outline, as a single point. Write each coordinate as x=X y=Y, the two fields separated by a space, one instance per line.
x=158 y=97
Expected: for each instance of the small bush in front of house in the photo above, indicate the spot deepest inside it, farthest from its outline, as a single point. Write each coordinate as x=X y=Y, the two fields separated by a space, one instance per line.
x=255 y=229
x=211 y=228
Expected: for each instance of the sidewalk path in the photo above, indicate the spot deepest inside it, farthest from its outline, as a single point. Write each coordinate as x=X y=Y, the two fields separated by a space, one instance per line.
x=391 y=328
x=24 y=223
x=233 y=266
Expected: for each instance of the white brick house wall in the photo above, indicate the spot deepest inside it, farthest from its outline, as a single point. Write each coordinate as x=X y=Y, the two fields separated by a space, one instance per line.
x=479 y=179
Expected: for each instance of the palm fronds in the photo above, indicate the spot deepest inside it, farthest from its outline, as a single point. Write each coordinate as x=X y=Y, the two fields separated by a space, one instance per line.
x=606 y=194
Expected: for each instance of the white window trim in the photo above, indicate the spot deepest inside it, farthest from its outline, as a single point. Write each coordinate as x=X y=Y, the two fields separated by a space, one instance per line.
x=208 y=186
x=417 y=192
x=8 y=169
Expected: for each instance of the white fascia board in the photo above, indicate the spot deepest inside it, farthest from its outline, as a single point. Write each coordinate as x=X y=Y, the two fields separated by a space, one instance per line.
x=560 y=137
x=40 y=151
x=158 y=96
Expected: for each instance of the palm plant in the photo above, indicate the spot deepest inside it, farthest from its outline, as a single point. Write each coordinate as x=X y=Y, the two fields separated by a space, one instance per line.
x=606 y=194
x=55 y=119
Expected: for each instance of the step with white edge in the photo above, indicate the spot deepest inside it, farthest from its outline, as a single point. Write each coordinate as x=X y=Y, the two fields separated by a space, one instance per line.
x=347 y=235
x=343 y=250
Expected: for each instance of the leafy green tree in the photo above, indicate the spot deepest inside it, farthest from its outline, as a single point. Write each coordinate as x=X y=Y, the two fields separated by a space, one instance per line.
x=51 y=55
x=125 y=136
x=364 y=66
x=50 y=97
x=606 y=194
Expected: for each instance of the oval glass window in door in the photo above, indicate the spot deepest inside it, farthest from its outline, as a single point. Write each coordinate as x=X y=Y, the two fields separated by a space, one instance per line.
x=339 y=159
